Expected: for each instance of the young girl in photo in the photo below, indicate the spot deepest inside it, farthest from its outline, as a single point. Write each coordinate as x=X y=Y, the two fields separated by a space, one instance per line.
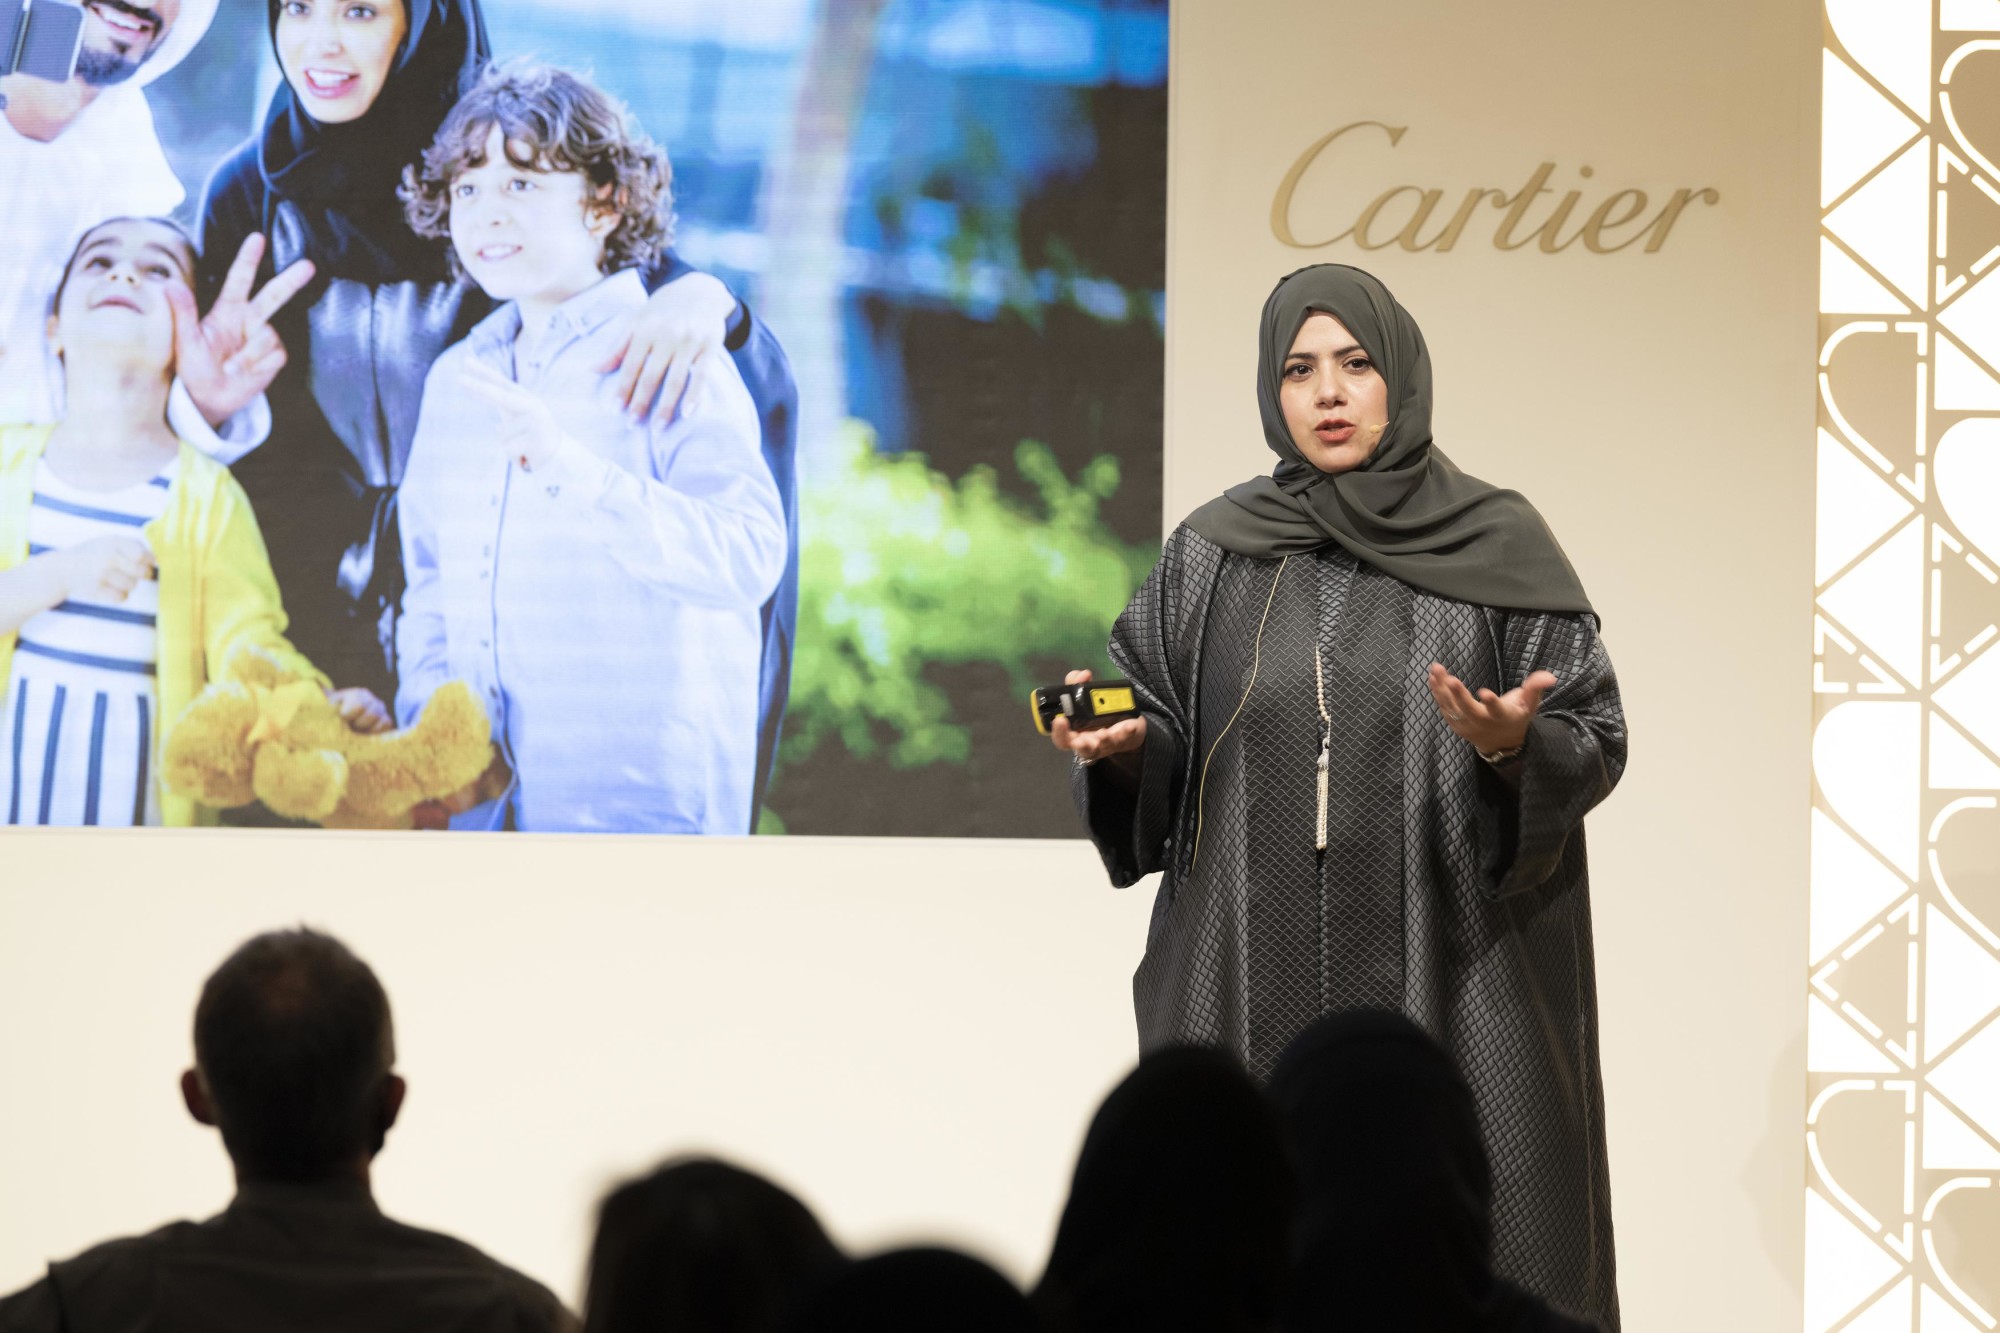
x=131 y=565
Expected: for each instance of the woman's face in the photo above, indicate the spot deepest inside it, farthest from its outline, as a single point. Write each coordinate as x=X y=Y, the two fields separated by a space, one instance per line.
x=114 y=296
x=337 y=54
x=1336 y=402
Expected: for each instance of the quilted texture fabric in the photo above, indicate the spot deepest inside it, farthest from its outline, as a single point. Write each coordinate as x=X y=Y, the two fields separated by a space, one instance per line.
x=1447 y=889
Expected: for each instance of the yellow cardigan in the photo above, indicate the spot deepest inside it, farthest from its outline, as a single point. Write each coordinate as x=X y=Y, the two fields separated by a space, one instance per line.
x=216 y=586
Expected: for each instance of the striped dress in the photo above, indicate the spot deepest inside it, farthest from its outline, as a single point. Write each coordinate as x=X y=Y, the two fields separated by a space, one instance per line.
x=79 y=720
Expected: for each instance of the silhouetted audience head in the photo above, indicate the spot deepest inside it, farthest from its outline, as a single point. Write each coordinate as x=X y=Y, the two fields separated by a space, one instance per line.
x=702 y=1246
x=1178 y=1214
x=923 y=1290
x=293 y=1047
x=1395 y=1221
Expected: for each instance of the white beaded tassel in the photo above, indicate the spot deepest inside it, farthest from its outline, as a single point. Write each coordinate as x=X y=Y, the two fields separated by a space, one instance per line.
x=1325 y=745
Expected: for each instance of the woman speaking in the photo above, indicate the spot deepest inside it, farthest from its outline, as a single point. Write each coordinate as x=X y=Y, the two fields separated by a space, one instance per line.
x=1374 y=711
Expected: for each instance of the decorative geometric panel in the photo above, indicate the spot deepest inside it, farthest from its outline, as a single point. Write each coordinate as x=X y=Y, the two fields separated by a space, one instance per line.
x=1903 y=997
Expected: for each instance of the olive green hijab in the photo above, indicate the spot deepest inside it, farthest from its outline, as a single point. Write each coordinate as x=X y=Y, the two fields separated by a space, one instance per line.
x=1408 y=510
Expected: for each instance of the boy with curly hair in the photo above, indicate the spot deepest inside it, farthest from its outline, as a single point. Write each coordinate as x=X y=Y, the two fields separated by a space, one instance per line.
x=598 y=579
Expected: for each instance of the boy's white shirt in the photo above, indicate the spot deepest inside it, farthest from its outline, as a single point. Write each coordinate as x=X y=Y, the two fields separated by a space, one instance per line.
x=605 y=606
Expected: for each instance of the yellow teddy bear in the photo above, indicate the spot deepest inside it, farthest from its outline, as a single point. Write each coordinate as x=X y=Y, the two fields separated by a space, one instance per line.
x=262 y=733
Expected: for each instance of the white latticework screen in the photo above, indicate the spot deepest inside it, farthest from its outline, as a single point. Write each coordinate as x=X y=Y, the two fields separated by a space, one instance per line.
x=1903 y=1033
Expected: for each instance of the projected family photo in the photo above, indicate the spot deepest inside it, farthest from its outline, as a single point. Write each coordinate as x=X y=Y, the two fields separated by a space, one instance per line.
x=570 y=415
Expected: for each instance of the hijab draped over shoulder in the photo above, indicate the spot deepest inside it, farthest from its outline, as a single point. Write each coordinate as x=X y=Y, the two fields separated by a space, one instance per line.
x=341 y=179
x=1408 y=510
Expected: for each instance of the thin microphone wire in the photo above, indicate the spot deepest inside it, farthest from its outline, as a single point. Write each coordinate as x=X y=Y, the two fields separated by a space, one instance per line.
x=1256 y=655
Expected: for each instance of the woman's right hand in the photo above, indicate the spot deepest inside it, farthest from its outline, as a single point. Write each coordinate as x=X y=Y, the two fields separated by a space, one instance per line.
x=105 y=567
x=1091 y=743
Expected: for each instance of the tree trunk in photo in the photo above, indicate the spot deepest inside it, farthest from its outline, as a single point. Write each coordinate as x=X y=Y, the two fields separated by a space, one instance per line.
x=805 y=202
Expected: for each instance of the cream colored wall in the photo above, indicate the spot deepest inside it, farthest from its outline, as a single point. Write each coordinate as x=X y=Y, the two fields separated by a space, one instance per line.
x=914 y=1033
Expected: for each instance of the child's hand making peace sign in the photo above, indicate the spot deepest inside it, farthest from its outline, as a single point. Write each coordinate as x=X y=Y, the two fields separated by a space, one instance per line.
x=228 y=358
x=528 y=431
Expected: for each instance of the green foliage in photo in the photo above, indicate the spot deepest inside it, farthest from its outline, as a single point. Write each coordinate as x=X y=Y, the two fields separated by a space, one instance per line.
x=903 y=568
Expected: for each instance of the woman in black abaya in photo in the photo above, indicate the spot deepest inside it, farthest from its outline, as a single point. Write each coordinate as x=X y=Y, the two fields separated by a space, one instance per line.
x=1374 y=712
x=366 y=85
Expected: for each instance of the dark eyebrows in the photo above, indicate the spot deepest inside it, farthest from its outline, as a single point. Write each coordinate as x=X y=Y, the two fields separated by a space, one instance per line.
x=100 y=242
x=1340 y=355
x=90 y=247
x=178 y=260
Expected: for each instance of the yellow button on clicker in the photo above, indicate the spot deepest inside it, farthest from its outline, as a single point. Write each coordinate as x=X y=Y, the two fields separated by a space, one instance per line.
x=1117 y=699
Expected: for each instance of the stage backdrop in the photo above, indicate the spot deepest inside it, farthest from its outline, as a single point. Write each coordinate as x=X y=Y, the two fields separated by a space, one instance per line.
x=914 y=1032
x=1903 y=1032
x=950 y=219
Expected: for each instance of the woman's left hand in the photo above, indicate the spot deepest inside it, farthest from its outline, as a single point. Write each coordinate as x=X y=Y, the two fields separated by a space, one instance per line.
x=1489 y=722
x=659 y=346
x=228 y=358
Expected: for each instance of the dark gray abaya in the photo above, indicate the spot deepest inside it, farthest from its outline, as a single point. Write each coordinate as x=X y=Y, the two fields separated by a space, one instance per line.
x=1449 y=890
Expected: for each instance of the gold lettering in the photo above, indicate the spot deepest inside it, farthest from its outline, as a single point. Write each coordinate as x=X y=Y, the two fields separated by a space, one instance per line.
x=1547 y=231
x=1533 y=190
x=1656 y=235
x=1449 y=236
x=1593 y=230
x=1408 y=239
x=1426 y=201
x=1281 y=203
x=1622 y=212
